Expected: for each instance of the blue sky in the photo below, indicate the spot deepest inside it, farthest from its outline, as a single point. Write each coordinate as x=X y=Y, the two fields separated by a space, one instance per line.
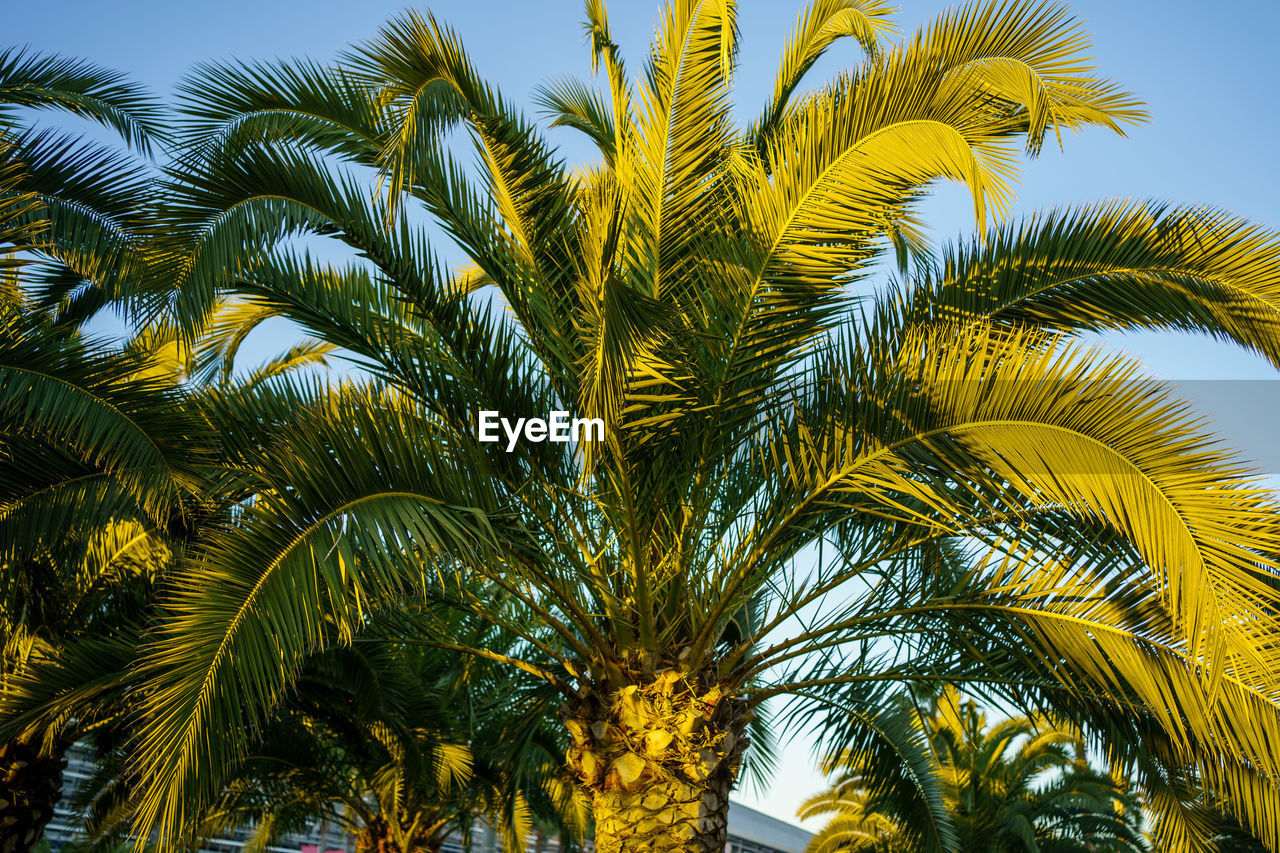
x=1208 y=72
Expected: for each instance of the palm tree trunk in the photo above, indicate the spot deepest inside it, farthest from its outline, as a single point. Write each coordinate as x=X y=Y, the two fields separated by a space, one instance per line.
x=658 y=760
x=30 y=788
x=671 y=816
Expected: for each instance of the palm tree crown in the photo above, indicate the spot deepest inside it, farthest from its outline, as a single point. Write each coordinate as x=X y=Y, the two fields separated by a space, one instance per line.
x=804 y=489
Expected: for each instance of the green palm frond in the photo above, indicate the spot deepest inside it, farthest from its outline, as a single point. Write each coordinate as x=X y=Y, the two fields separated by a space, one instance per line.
x=47 y=81
x=1016 y=784
x=18 y=228
x=897 y=774
x=229 y=106
x=681 y=132
x=1060 y=430
x=290 y=556
x=570 y=103
x=1114 y=265
x=86 y=220
x=89 y=404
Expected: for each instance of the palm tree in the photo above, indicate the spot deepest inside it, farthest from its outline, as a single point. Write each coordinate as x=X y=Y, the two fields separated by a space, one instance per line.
x=360 y=748
x=1017 y=785
x=100 y=451
x=101 y=445
x=400 y=746
x=805 y=488
x=97 y=468
x=70 y=214
x=112 y=462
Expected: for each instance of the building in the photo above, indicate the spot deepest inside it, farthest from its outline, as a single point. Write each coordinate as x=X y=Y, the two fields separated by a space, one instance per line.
x=751 y=831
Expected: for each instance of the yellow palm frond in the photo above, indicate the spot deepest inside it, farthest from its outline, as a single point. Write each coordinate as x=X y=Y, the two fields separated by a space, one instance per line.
x=820 y=25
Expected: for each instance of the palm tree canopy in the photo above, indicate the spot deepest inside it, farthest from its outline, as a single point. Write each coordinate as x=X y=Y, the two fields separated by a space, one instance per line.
x=1014 y=785
x=98 y=463
x=1012 y=509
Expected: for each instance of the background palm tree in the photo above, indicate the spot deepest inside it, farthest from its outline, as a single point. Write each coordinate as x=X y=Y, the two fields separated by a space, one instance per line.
x=988 y=502
x=116 y=459
x=104 y=452
x=70 y=211
x=1015 y=785
x=98 y=474
x=102 y=447
x=401 y=746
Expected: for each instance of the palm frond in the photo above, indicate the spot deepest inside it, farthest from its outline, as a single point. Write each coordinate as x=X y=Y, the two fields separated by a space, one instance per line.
x=819 y=26
x=218 y=666
x=48 y=81
x=1115 y=265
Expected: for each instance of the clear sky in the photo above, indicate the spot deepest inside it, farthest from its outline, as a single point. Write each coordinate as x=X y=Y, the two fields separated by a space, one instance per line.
x=1207 y=70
